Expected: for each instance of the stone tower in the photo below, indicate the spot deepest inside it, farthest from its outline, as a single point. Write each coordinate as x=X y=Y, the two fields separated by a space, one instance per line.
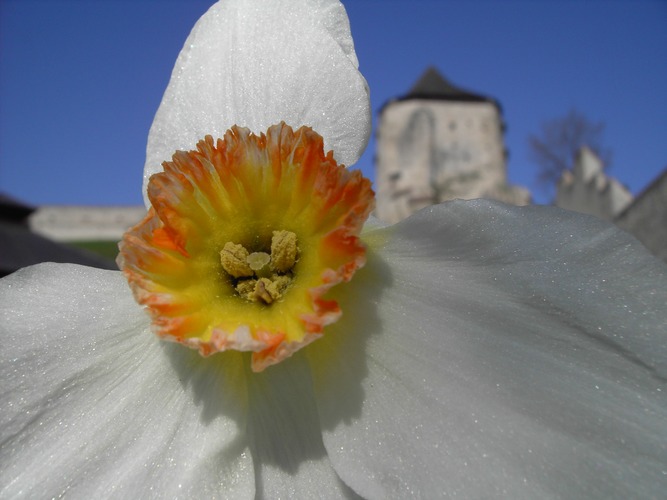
x=439 y=143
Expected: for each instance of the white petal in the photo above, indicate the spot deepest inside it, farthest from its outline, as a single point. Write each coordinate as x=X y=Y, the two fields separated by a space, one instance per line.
x=499 y=352
x=95 y=406
x=255 y=64
x=285 y=437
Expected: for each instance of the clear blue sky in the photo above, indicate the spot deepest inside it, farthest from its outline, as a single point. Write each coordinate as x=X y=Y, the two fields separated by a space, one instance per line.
x=80 y=80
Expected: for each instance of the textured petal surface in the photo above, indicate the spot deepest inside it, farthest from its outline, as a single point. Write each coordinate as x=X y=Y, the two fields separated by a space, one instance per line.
x=285 y=437
x=499 y=352
x=256 y=64
x=94 y=405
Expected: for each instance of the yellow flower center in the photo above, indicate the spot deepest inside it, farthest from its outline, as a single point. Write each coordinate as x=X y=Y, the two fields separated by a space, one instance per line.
x=244 y=238
x=258 y=276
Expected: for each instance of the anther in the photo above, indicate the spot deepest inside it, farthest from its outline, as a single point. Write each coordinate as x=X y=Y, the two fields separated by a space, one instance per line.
x=234 y=260
x=283 y=251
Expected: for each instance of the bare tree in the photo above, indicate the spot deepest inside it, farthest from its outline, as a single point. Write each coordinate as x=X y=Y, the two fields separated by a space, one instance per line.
x=555 y=148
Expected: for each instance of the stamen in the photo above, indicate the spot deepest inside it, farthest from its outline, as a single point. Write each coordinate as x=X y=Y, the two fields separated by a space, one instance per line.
x=234 y=259
x=246 y=289
x=283 y=251
x=263 y=291
x=252 y=278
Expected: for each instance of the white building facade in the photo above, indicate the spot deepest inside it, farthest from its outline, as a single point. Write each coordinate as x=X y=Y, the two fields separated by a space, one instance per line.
x=440 y=143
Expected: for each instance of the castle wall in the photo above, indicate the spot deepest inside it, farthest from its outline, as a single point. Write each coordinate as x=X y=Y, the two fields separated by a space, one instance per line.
x=587 y=189
x=646 y=217
x=80 y=223
x=430 y=151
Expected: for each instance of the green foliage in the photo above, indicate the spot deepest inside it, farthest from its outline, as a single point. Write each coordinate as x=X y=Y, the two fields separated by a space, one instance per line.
x=107 y=249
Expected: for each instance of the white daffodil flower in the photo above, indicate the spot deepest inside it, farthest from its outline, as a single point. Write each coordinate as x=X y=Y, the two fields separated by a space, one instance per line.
x=483 y=351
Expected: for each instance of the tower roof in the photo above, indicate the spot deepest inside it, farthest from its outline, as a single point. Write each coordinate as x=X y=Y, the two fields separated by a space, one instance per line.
x=432 y=85
x=13 y=210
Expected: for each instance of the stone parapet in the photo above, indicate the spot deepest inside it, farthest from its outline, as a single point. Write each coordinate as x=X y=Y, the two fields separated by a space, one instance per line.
x=84 y=223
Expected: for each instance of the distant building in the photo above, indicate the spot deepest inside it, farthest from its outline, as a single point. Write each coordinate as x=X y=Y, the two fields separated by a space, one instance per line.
x=96 y=229
x=646 y=216
x=439 y=143
x=21 y=247
x=85 y=223
x=587 y=189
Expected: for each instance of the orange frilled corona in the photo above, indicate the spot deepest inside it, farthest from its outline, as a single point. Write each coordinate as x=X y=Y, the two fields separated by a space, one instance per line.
x=244 y=238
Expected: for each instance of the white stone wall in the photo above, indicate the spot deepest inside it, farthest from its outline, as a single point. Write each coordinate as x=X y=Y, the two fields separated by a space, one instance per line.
x=81 y=223
x=429 y=151
x=587 y=189
x=646 y=217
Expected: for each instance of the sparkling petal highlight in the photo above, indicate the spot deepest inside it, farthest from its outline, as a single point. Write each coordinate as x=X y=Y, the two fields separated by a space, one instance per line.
x=513 y=352
x=285 y=437
x=95 y=406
